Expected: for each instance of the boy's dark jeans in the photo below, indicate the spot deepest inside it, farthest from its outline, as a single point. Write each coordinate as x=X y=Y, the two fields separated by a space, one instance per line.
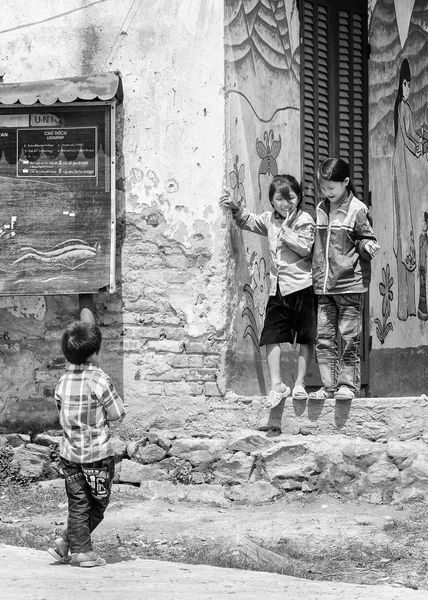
x=88 y=488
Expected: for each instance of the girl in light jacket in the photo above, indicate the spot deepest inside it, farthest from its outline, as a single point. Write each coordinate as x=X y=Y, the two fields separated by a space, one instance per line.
x=290 y=311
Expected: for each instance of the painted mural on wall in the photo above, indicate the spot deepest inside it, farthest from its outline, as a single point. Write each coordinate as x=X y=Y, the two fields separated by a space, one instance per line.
x=263 y=139
x=406 y=141
x=268 y=151
x=398 y=143
x=383 y=326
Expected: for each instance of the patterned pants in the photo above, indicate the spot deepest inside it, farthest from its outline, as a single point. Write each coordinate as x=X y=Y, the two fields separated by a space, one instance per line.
x=340 y=313
x=88 y=488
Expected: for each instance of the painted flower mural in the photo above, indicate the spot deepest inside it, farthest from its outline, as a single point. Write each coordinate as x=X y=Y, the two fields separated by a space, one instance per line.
x=385 y=290
x=236 y=178
x=268 y=152
x=261 y=286
x=256 y=297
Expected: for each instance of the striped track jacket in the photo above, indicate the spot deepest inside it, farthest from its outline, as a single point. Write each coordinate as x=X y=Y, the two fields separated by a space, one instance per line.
x=340 y=264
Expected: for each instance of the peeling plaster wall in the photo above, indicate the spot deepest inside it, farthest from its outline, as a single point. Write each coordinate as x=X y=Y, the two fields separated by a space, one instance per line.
x=164 y=328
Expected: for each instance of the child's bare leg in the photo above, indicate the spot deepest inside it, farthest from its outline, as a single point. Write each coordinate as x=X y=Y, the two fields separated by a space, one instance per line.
x=303 y=362
x=273 y=355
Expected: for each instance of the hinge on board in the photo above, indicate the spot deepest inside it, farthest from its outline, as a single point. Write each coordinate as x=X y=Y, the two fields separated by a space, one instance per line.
x=369 y=51
x=370 y=198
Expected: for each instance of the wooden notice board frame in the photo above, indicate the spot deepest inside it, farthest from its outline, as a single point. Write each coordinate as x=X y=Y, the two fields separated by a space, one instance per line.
x=57 y=190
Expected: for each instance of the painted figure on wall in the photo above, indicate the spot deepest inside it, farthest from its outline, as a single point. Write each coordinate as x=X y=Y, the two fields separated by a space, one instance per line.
x=268 y=152
x=406 y=141
x=423 y=250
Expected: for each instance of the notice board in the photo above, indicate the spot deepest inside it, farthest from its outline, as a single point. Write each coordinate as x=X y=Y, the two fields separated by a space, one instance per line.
x=57 y=209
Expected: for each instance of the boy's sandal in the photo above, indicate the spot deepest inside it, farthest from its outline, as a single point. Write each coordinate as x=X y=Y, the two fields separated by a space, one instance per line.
x=96 y=562
x=62 y=559
x=275 y=398
x=344 y=393
x=321 y=394
x=299 y=393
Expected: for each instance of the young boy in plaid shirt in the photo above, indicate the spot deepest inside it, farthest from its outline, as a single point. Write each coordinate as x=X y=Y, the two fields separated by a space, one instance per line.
x=87 y=401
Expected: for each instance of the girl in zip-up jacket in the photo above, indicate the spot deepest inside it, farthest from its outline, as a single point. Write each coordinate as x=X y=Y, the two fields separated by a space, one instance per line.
x=344 y=246
x=291 y=310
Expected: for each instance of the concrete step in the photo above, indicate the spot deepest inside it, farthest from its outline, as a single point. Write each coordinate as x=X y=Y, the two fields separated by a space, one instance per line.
x=376 y=419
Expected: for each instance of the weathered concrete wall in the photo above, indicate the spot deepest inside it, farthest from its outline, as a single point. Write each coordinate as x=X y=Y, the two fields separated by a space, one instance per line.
x=164 y=328
x=398 y=181
x=182 y=266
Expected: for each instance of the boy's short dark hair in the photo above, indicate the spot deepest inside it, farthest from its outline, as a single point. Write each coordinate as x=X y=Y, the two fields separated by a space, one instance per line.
x=79 y=341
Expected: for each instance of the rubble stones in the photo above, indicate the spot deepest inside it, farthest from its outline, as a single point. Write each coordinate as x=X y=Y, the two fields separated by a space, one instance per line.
x=234 y=468
x=257 y=493
x=362 y=452
x=45 y=439
x=249 y=467
x=205 y=493
x=150 y=453
x=134 y=472
x=197 y=450
x=164 y=443
x=402 y=453
x=30 y=464
x=279 y=457
x=248 y=442
x=119 y=447
x=16 y=439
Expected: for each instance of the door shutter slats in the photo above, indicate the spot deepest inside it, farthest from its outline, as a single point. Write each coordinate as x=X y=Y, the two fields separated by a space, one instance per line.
x=315 y=28
x=334 y=89
x=334 y=101
x=345 y=95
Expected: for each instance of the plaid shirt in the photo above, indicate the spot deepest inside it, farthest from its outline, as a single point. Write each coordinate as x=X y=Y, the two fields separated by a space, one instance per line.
x=86 y=400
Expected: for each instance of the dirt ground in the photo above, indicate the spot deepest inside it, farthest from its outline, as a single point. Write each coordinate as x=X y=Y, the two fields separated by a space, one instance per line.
x=137 y=537
x=316 y=521
x=313 y=520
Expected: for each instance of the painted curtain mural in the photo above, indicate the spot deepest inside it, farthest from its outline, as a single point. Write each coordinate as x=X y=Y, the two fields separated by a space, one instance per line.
x=398 y=141
x=263 y=139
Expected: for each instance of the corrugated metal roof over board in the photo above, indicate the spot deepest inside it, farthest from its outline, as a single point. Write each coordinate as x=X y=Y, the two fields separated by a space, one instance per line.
x=98 y=86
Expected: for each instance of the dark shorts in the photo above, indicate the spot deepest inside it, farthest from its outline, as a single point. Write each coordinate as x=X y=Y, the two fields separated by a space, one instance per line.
x=291 y=318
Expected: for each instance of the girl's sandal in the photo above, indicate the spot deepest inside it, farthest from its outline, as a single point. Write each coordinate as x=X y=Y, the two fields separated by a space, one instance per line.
x=275 y=398
x=344 y=393
x=321 y=394
x=299 y=393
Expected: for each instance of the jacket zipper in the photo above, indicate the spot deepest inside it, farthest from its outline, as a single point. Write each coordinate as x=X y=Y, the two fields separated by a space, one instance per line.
x=326 y=256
